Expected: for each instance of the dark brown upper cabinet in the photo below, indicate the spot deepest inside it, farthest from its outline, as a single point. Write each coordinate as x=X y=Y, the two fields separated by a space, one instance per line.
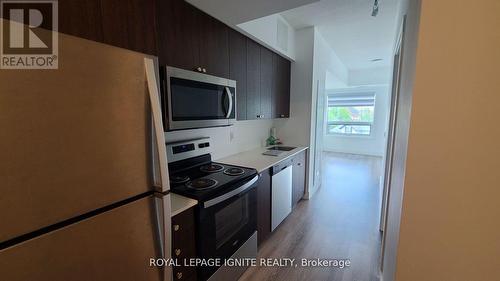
x=192 y=40
x=253 y=80
x=266 y=83
x=81 y=18
x=179 y=34
x=238 y=70
x=130 y=24
x=185 y=37
x=281 y=93
x=214 y=46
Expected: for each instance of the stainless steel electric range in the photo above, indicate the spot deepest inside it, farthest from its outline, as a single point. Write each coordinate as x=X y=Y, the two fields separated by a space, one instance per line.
x=226 y=216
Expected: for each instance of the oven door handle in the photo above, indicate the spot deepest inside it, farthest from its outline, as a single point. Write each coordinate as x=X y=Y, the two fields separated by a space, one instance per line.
x=230 y=97
x=230 y=194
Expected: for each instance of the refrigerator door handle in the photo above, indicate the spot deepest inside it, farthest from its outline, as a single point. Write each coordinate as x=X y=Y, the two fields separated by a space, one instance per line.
x=164 y=227
x=160 y=170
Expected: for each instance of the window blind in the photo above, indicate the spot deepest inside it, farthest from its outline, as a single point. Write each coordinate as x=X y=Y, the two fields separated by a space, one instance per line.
x=365 y=99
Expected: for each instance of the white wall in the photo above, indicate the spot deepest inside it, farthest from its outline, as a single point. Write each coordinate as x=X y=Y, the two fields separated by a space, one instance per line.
x=314 y=62
x=370 y=76
x=225 y=141
x=326 y=66
x=296 y=130
x=265 y=31
x=367 y=145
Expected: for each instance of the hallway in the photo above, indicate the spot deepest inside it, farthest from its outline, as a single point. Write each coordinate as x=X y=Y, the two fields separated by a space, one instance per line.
x=339 y=222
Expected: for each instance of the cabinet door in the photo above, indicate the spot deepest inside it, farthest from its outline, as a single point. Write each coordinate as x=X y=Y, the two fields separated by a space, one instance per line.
x=266 y=83
x=179 y=34
x=282 y=87
x=214 y=46
x=238 y=70
x=298 y=177
x=130 y=24
x=81 y=18
x=253 y=80
x=183 y=244
x=264 y=206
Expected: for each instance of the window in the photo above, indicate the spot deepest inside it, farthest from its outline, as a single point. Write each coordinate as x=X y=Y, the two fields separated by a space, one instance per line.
x=350 y=114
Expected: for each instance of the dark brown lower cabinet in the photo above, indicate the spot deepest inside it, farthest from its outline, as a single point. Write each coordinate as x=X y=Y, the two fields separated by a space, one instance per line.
x=298 y=177
x=264 y=206
x=183 y=244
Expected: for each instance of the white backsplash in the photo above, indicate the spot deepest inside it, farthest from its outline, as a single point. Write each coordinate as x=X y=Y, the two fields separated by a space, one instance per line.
x=225 y=141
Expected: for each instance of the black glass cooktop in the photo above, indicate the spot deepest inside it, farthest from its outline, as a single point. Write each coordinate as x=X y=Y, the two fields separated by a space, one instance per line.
x=201 y=179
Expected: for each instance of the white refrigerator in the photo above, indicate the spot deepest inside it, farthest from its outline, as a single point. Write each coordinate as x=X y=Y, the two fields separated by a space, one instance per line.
x=84 y=192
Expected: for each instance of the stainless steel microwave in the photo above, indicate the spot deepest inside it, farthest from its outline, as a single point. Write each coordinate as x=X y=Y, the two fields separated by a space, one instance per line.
x=197 y=100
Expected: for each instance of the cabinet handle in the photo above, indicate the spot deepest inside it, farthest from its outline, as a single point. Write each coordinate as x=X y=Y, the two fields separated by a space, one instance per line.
x=177 y=252
x=179 y=275
x=199 y=69
x=204 y=70
x=176 y=227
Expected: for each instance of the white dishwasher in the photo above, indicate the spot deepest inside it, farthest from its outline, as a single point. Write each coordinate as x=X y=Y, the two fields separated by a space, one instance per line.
x=281 y=192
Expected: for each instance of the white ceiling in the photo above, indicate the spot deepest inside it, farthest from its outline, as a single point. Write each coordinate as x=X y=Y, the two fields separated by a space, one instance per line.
x=349 y=28
x=234 y=12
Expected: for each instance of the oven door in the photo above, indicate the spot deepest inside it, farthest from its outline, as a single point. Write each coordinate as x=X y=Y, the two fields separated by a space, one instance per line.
x=197 y=100
x=225 y=226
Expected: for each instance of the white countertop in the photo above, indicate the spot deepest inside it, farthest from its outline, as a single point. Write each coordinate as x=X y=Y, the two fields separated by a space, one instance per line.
x=180 y=203
x=255 y=159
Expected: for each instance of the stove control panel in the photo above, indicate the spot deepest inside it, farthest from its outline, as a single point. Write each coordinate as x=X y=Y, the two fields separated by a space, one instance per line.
x=183 y=149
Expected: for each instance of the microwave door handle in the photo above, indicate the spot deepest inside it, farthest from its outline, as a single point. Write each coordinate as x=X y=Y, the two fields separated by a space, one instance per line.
x=230 y=108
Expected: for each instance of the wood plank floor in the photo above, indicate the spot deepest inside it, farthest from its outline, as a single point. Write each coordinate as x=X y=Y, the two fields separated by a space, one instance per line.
x=340 y=221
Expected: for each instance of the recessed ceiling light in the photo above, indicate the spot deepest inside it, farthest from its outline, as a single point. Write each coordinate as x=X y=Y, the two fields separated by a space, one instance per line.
x=375 y=60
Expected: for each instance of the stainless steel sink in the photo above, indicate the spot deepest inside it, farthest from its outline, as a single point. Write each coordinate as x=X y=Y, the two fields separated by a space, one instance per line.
x=281 y=148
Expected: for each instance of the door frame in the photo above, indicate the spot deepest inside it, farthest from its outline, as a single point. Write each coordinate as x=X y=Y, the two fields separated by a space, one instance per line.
x=396 y=83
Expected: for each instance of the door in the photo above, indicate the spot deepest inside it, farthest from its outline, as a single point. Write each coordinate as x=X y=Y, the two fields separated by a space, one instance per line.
x=80 y=18
x=253 y=80
x=214 y=46
x=238 y=70
x=266 y=83
x=317 y=151
x=264 y=206
x=298 y=177
x=79 y=138
x=391 y=135
x=130 y=24
x=179 y=34
x=114 y=245
x=281 y=99
x=281 y=191
x=225 y=227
